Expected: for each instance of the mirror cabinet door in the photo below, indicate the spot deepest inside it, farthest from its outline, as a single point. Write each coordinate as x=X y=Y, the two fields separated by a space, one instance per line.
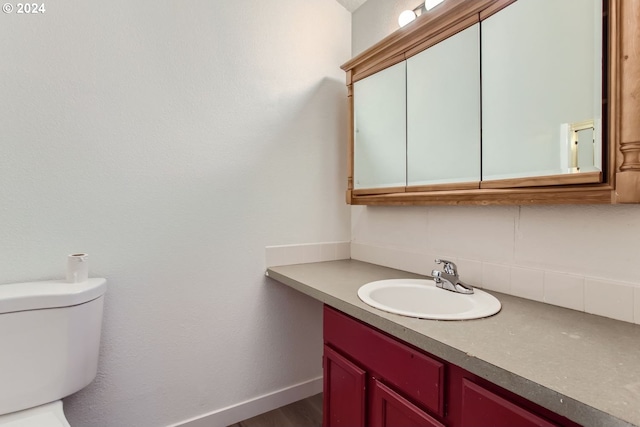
x=541 y=82
x=443 y=111
x=380 y=129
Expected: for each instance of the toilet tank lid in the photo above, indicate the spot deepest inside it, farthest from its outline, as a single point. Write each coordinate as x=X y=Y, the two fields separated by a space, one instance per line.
x=49 y=294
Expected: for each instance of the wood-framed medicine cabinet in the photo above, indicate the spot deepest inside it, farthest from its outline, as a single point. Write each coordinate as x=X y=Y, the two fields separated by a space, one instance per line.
x=616 y=177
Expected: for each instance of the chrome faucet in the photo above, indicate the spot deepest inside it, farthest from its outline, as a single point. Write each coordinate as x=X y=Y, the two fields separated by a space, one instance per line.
x=448 y=279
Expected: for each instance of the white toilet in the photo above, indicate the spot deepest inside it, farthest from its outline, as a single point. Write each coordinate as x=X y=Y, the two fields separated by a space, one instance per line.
x=49 y=340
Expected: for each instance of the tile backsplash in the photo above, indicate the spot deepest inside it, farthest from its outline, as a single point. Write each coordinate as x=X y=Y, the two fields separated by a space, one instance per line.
x=608 y=299
x=527 y=283
x=614 y=299
x=307 y=252
x=565 y=290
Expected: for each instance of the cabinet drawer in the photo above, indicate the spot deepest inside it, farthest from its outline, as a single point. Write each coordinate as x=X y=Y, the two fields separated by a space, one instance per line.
x=418 y=376
x=483 y=407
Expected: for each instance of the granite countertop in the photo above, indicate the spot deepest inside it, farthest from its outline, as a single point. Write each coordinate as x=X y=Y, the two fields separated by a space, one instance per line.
x=581 y=366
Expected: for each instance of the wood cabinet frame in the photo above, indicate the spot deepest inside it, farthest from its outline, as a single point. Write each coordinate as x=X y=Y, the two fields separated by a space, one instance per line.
x=620 y=180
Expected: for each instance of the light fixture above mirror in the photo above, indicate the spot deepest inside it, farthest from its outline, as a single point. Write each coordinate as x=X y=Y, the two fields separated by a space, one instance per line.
x=408 y=16
x=430 y=4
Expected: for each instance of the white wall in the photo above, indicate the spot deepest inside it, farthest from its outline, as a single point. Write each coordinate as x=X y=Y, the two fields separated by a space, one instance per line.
x=375 y=20
x=581 y=257
x=173 y=141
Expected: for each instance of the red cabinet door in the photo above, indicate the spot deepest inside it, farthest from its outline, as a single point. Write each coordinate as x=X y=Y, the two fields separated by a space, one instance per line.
x=481 y=407
x=344 y=392
x=389 y=409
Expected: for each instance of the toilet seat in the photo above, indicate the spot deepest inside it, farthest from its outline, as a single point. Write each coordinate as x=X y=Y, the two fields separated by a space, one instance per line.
x=48 y=415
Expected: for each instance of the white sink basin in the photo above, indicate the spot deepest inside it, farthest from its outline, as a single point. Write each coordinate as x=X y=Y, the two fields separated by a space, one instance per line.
x=422 y=299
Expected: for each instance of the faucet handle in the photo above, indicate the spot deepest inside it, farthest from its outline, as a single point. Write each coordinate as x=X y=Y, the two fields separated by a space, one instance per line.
x=449 y=266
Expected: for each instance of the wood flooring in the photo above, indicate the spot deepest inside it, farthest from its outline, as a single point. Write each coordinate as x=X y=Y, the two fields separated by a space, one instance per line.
x=304 y=413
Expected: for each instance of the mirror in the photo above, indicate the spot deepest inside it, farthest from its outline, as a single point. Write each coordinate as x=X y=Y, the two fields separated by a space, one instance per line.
x=443 y=111
x=417 y=123
x=566 y=143
x=541 y=73
x=380 y=129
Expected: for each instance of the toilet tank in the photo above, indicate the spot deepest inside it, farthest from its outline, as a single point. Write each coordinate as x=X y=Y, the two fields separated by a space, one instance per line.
x=49 y=340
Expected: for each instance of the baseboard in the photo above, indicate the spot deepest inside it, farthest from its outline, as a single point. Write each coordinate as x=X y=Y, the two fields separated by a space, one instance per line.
x=259 y=405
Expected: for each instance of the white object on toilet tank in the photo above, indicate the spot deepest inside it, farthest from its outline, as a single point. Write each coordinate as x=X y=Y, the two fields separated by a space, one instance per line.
x=50 y=336
x=77 y=268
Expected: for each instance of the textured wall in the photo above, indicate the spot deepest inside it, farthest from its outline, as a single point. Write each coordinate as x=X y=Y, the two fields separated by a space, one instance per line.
x=173 y=141
x=375 y=20
x=582 y=257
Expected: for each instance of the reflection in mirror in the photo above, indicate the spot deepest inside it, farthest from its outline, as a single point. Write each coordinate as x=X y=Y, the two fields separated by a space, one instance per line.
x=585 y=141
x=541 y=72
x=380 y=129
x=579 y=153
x=443 y=111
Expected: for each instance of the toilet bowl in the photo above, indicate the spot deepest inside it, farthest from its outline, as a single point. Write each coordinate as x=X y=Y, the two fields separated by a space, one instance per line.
x=50 y=335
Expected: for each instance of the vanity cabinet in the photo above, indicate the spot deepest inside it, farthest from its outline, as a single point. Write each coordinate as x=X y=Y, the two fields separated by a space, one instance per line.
x=374 y=380
x=506 y=102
